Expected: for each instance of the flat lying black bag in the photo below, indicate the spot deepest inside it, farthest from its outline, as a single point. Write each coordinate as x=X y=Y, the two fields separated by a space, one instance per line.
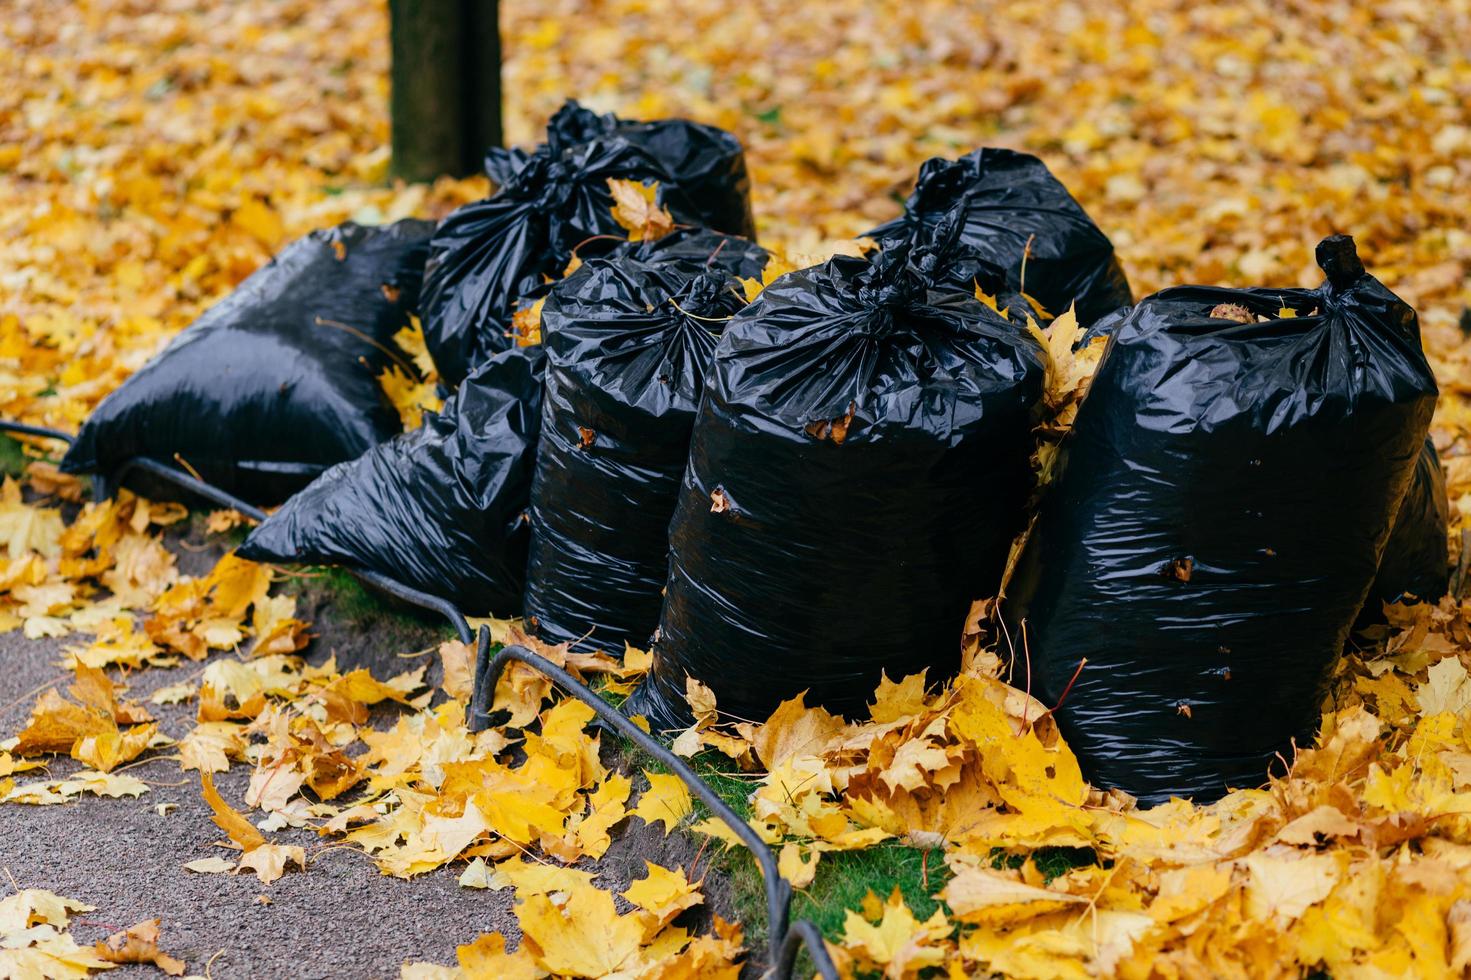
x=1010 y=199
x=1416 y=562
x=1217 y=519
x=441 y=508
x=857 y=471
x=279 y=380
x=629 y=340
x=488 y=256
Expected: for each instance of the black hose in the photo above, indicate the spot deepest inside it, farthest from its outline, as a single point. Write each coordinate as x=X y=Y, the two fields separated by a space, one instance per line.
x=212 y=493
x=804 y=932
x=36 y=430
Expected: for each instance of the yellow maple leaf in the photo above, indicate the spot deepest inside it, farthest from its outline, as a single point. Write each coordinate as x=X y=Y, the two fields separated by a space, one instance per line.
x=269 y=861
x=1447 y=688
x=239 y=830
x=108 y=750
x=411 y=341
x=57 y=724
x=795 y=867
x=893 y=701
x=486 y=959
x=583 y=935
x=1284 y=887
x=663 y=894
x=1068 y=371
x=526 y=323
x=410 y=397
x=605 y=807
x=635 y=210
x=898 y=944
x=667 y=800
x=988 y=897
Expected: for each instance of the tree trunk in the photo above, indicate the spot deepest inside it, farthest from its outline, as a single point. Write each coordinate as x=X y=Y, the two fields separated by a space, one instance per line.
x=446 y=85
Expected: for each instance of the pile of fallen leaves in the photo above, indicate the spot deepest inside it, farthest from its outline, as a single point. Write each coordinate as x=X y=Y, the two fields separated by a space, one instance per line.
x=1357 y=859
x=151 y=158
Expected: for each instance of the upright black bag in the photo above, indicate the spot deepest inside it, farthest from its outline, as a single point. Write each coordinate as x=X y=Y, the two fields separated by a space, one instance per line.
x=858 y=468
x=629 y=340
x=1416 y=562
x=488 y=256
x=441 y=508
x=279 y=380
x=1010 y=199
x=1219 y=512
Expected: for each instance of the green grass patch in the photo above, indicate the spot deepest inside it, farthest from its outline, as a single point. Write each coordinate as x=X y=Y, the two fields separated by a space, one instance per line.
x=363 y=609
x=13 y=458
x=350 y=598
x=844 y=878
x=1052 y=862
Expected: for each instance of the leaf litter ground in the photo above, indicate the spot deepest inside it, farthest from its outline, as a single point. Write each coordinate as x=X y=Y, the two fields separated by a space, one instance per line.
x=153 y=158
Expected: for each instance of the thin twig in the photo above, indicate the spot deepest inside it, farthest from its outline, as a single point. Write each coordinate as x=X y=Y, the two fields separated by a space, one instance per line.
x=411 y=369
x=711 y=260
x=143 y=762
x=696 y=316
x=32 y=693
x=1026 y=254
x=1027 y=652
x=192 y=471
x=1053 y=710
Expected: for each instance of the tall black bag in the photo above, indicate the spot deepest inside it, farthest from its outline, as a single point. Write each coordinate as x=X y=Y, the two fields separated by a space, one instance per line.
x=629 y=340
x=279 y=380
x=1009 y=200
x=1217 y=519
x=1416 y=562
x=858 y=468
x=441 y=508
x=488 y=256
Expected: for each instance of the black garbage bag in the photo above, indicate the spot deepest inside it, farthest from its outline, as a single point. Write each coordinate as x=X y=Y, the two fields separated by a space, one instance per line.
x=1218 y=514
x=708 y=250
x=629 y=339
x=441 y=508
x=1011 y=198
x=1416 y=562
x=279 y=380
x=857 y=470
x=488 y=256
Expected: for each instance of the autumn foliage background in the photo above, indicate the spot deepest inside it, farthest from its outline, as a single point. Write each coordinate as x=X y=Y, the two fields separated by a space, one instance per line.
x=152 y=155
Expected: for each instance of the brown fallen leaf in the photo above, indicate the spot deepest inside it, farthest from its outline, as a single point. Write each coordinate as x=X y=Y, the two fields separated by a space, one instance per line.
x=269 y=861
x=139 y=944
x=634 y=209
x=1233 y=311
x=241 y=832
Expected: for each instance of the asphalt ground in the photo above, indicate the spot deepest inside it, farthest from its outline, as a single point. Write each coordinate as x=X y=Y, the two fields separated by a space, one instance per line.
x=340 y=918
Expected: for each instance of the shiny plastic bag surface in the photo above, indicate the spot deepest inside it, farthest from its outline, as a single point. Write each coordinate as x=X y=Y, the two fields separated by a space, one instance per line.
x=489 y=256
x=629 y=340
x=1217 y=518
x=279 y=380
x=441 y=508
x=1416 y=559
x=1014 y=205
x=857 y=471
